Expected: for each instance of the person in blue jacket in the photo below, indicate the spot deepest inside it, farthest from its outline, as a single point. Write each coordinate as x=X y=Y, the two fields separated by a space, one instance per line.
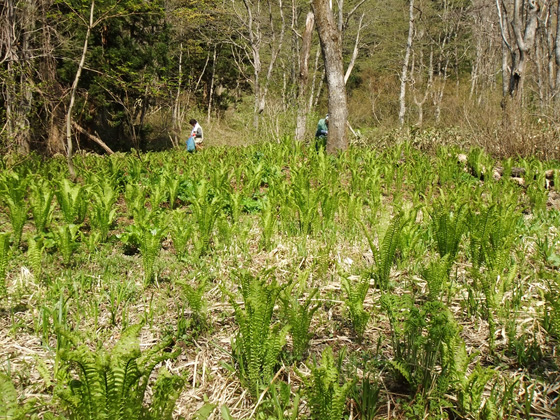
x=321 y=133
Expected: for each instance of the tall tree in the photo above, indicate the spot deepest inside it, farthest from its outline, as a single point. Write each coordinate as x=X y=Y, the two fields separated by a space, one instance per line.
x=519 y=40
x=331 y=46
x=17 y=23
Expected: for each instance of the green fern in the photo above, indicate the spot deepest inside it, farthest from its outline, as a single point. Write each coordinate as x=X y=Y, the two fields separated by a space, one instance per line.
x=470 y=395
x=491 y=231
x=305 y=199
x=13 y=191
x=112 y=385
x=35 y=252
x=4 y=258
x=436 y=275
x=181 y=233
x=385 y=254
x=205 y=207
x=103 y=212
x=194 y=295
x=448 y=227
x=172 y=183
x=269 y=224
x=356 y=293
x=40 y=201
x=11 y=407
x=135 y=199
x=326 y=397
x=66 y=237
x=73 y=201
x=299 y=311
x=158 y=192
x=258 y=343
x=428 y=351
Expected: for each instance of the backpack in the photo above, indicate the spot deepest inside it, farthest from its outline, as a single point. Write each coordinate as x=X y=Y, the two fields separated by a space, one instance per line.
x=191 y=147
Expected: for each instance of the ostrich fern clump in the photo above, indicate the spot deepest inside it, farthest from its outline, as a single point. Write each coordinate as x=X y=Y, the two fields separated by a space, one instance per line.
x=4 y=257
x=385 y=253
x=103 y=211
x=259 y=341
x=299 y=311
x=327 y=398
x=73 y=201
x=66 y=237
x=40 y=201
x=429 y=354
x=356 y=293
x=448 y=228
x=111 y=385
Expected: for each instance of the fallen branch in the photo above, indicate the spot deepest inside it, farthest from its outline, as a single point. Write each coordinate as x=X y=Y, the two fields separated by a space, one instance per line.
x=92 y=137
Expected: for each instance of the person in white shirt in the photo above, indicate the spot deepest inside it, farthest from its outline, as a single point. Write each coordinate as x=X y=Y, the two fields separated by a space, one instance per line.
x=197 y=133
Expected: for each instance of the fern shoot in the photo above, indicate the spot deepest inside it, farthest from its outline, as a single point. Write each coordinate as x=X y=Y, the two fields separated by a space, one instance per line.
x=356 y=293
x=258 y=342
x=299 y=311
x=40 y=201
x=4 y=258
x=111 y=385
x=326 y=397
x=385 y=254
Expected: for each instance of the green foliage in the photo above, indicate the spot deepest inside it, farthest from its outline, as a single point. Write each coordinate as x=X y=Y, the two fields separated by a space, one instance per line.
x=269 y=223
x=40 y=202
x=147 y=238
x=470 y=395
x=491 y=233
x=11 y=408
x=428 y=351
x=205 y=207
x=66 y=237
x=278 y=404
x=326 y=397
x=135 y=198
x=385 y=253
x=305 y=199
x=448 y=226
x=356 y=293
x=73 y=201
x=259 y=341
x=35 y=252
x=103 y=212
x=13 y=189
x=4 y=258
x=194 y=295
x=298 y=312
x=112 y=384
x=436 y=275
x=365 y=394
x=181 y=232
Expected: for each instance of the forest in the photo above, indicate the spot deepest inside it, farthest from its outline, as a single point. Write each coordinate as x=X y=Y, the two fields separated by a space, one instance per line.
x=409 y=269
x=114 y=75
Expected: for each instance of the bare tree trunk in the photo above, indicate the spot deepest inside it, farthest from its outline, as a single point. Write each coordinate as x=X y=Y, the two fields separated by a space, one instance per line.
x=404 y=72
x=175 y=120
x=557 y=60
x=303 y=76
x=355 y=51
x=312 y=95
x=421 y=100
x=17 y=22
x=331 y=45
x=525 y=40
x=53 y=95
x=211 y=93
x=69 y=151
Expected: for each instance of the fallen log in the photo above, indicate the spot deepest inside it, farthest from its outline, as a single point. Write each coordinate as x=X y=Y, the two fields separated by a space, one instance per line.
x=92 y=137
